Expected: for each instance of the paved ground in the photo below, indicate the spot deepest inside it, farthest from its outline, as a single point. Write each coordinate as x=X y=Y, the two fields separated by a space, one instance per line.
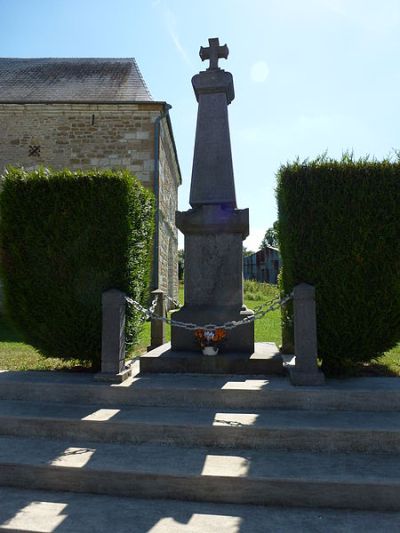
x=63 y=512
x=202 y=381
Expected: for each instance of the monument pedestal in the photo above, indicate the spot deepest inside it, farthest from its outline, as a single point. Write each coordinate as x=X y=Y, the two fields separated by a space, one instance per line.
x=239 y=339
x=264 y=360
x=214 y=276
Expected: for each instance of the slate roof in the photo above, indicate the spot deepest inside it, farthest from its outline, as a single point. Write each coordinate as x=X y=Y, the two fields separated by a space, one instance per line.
x=71 y=80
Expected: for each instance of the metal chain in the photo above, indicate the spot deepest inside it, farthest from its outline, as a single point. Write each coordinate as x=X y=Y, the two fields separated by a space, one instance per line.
x=259 y=312
x=173 y=301
x=147 y=313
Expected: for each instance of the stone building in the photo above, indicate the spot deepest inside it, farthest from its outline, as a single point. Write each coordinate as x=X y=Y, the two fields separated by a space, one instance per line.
x=81 y=113
x=263 y=265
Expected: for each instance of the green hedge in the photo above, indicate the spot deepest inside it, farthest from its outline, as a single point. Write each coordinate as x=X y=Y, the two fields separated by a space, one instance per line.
x=65 y=238
x=339 y=229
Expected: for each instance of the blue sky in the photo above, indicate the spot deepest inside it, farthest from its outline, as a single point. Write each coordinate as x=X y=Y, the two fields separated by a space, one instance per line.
x=310 y=75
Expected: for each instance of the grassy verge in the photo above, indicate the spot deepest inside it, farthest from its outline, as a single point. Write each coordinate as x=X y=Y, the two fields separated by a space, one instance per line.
x=15 y=355
x=268 y=328
x=386 y=365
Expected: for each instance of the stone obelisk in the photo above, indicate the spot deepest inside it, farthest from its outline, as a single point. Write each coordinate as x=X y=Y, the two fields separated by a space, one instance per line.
x=214 y=228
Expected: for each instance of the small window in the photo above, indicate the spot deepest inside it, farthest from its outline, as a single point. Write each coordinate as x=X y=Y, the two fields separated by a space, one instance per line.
x=34 y=150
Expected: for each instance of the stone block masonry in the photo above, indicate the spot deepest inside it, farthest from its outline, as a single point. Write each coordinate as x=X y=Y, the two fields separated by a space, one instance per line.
x=168 y=205
x=89 y=135
x=79 y=136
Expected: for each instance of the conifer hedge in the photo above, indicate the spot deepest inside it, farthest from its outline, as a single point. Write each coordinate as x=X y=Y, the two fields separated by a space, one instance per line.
x=65 y=238
x=339 y=229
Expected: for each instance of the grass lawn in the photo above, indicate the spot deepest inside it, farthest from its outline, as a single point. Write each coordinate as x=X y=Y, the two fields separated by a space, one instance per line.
x=15 y=355
x=269 y=327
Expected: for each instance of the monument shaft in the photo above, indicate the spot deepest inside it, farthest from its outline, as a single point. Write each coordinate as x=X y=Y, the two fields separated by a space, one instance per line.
x=212 y=174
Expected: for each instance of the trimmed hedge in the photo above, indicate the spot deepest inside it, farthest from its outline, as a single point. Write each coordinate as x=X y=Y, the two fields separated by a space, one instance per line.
x=65 y=238
x=339 y=229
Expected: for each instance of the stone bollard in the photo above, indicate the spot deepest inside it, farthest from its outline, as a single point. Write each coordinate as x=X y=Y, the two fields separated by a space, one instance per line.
x=305 y=371
x=158 y=326
x=113 y=366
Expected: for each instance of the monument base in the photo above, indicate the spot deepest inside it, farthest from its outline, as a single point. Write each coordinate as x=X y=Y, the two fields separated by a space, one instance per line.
x=114 y=378
x=239 y=339
x=265 y=360
x=298 y=377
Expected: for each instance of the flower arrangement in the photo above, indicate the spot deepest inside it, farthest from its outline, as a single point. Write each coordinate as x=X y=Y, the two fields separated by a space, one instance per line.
x=210 y=338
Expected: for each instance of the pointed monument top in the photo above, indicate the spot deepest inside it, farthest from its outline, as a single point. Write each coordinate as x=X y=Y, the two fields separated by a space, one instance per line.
x=213 y=53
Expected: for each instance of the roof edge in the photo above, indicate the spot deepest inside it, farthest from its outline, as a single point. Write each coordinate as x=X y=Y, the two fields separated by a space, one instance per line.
x=83 y=102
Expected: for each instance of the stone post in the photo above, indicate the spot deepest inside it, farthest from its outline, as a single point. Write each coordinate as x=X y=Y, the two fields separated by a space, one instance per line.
x=113 y=338
x=158 y=326
x=306 y=371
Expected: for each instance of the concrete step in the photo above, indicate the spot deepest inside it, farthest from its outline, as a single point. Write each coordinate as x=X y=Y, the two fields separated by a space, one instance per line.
x=266 y=360
x=269 y=429
x=200 y=474
x=47 y=511
x=224 y=391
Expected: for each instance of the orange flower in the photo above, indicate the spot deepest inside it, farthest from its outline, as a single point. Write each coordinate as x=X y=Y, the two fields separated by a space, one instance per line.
x=208 y=337
x=219 y=335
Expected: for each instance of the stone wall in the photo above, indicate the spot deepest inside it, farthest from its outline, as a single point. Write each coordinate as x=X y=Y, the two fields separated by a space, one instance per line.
x=79 y=136
x=168 y=204
x=103 y=136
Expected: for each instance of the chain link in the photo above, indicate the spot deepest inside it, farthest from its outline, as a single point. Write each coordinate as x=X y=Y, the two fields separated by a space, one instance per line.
x=174 y=302
x=259 y=312
x=147 y=313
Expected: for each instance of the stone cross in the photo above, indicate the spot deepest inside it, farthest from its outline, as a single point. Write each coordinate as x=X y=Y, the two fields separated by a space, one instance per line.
x=213 y=53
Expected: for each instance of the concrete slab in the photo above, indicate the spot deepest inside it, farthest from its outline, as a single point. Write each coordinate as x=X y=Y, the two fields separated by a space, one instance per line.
x=271 y=419
x=265 y=360
x=368 y=384
x=46 y=512
x=269 y=429
x=231 y=391
x=181 y=461
x=202 y=474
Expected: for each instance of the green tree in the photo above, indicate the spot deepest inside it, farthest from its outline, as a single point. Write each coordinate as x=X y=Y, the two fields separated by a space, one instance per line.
x=271 y=237
x=247 y=252
x=181 y=263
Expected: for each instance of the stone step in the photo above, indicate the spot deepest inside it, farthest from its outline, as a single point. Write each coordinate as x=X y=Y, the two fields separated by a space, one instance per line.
x=266 y=360
x=269 y=429
x=49 y=511
x=224 y=391
x=232 y=476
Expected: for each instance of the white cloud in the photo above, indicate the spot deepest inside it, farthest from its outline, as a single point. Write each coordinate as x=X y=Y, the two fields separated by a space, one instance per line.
x=171 y=24
x=253 y=241
x=259 y=71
